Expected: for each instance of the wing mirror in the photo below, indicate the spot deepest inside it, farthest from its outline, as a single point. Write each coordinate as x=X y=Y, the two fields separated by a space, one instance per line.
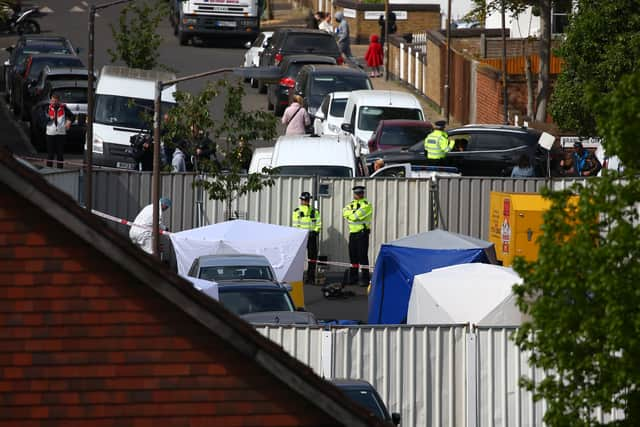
x=347 y=127
x=247 y=45
x=319 y=115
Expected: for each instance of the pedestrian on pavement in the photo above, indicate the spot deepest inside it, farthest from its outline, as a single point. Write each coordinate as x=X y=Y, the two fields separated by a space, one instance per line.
x=374 y=56
x=392 y=26
x=342 y=35
x=142 y=236
x=358 y=214
x=307 y=218
x=296 y=117
x=58 y=119
x=178 y=161
x=325 y=24
x=437 y=144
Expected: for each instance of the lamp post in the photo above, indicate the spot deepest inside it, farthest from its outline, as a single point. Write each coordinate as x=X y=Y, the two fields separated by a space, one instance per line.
x=386 y=40
x=88 y=184
x=505 y=101
x=447 y=74
x=266 y=73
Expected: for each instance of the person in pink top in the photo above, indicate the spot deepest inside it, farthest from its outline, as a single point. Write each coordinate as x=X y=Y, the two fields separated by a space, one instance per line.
x=295 y=117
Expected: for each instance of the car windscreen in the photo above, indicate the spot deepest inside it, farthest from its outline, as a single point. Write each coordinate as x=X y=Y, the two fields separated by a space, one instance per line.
x=57 y=47
x=71 y=95
x=235 y=272
x=293 y=69
x=311 y=43
x=244 y=300
x=369 y=117
x=399 y=136
x=39 y=63
x=128 y=112
x=337 y=107
x=323 y=84
x=337 y=171
x=367 y=399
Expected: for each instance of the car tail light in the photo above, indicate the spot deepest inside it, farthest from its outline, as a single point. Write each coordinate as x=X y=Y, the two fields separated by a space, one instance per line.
x=340 y=60
x=278 y=58
x=372 y=146
x=288 y=82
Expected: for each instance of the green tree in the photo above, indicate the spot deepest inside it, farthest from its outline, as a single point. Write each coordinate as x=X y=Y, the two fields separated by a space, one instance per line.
x=602 y=45
x=227 y=180
x=137 y=42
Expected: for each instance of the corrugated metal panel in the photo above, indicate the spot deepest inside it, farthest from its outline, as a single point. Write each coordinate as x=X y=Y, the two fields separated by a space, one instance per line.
x=303 y=343
x=464 y=202
x=67 y=181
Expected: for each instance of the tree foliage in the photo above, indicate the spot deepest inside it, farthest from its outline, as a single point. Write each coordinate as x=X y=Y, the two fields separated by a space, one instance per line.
x=137 y=42
x=226 y=180
x=602 y=45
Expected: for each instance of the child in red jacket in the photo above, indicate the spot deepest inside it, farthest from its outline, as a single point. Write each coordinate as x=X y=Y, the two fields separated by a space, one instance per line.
x=374 y=56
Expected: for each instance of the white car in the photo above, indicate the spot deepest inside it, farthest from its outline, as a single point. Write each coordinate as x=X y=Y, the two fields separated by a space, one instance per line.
x=407 y=170
x=307 y=155
x=365 y=109
x=330 y=115
x=252 y=55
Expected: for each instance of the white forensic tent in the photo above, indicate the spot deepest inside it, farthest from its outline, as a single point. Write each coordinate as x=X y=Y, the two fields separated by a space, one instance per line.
x=284 y=247
x=205 y=286
x=475 y=293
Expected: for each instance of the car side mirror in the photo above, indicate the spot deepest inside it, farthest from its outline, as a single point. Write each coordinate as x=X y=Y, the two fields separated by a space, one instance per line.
x=347 y=127
x=319 y=115
x=395 y=418
x=247 y=45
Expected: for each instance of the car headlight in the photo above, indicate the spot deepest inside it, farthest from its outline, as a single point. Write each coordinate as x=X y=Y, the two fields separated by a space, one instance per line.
x=98 y=145
x=333 y=128
x=189 y=21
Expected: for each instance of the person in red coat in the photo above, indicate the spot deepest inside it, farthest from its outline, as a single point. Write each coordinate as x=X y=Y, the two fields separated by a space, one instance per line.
x=374 y=56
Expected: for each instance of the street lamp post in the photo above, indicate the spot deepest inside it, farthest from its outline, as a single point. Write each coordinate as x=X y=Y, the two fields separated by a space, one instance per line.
x=267 y=73
x=88 y=184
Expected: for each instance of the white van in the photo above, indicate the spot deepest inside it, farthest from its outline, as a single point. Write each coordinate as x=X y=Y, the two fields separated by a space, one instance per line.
x=365 y=108
x=123 y=108
x=307 y=155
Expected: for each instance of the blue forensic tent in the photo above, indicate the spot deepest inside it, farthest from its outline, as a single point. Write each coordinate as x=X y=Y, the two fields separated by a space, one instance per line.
x=399 y=261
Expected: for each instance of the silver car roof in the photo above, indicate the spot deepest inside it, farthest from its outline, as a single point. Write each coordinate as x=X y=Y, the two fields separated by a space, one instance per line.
x=222 y=260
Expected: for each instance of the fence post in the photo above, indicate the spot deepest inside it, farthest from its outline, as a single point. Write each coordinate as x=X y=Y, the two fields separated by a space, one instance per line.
x=417 y=70
x=472 y=377
x=401 y=61
x=326 y=354
x=409 y=65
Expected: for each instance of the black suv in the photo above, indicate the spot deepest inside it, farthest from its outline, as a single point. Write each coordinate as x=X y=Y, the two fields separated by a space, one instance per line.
x=479 y=150
x=298 y=41
x=314 y=82
x=279 y=94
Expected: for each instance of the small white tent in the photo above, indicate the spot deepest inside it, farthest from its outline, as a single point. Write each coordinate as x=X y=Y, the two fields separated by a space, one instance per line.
x=284 y=247
x=477 y=293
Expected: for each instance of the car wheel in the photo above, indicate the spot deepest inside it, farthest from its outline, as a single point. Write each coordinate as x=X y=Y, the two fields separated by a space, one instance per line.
x=28 y=26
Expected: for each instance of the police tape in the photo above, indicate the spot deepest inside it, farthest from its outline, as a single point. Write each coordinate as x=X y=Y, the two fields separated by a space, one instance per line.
x=340 y=264
x=124 y=221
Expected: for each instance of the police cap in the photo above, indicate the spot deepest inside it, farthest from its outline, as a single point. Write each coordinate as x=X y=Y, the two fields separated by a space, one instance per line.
x=440 y=124
x=358 y=189
x=305 y=195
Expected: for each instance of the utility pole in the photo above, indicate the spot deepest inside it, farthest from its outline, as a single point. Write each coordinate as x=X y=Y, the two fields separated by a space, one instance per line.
x=88 y=155
x=447 y=74
x=504 y=68
x=386 y=39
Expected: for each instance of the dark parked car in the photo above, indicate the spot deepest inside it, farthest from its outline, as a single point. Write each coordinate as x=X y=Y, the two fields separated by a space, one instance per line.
x=394 y=134
x=279 y=94
x=479 y=150
x=29 y=45
x=74 y=95
x=26 y=76
x=366 y=396
x=49 y=75
x=298 y=41
x=314 y=82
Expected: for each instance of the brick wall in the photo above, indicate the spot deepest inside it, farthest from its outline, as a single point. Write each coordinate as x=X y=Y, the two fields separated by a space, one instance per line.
x=488 y=96
x=84 y=344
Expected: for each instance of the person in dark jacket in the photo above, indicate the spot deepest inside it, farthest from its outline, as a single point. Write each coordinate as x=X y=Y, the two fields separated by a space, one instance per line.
x=142 y=151
x=205 y=152
x=58 y=120
x=392 y=26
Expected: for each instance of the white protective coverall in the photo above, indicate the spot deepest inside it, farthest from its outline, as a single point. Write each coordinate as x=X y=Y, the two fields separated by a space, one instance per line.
x=143 y=236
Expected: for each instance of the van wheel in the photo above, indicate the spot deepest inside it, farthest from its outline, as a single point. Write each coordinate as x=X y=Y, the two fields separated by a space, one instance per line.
x=183 y=38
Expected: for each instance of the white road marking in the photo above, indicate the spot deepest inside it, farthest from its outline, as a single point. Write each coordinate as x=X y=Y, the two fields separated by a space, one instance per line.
x=76 y=9
x=45 y=10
